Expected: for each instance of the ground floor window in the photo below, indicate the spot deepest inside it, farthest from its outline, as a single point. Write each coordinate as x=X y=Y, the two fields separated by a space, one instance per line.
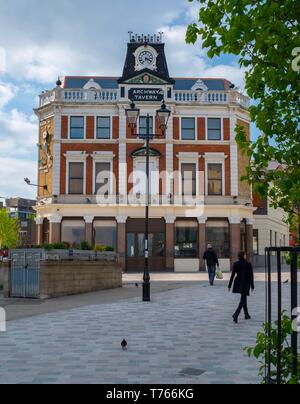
x=186 y=239
x=106 y=233
x=73 y=232
x=217 y=234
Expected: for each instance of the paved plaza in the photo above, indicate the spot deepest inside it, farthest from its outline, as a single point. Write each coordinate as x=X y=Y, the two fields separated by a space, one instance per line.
x=186 y=329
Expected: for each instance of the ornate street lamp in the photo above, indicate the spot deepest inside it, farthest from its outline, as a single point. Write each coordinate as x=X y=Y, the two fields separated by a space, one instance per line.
x=132 y=116
x=163 y=115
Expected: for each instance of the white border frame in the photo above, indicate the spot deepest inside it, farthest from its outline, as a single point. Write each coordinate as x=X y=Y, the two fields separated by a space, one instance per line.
x=142 y=160
x=95 y=126
x=104 y=158
x=215 y=158
x=75 y=160
x=69 y=126
x=180 y=128
x=206 y=128
x=185 y=159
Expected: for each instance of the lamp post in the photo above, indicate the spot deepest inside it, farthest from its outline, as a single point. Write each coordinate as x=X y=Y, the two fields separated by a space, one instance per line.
x=28 y=182
x=163 y=115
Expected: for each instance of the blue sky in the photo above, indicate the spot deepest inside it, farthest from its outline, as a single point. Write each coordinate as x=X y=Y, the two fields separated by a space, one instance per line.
x=43 y=39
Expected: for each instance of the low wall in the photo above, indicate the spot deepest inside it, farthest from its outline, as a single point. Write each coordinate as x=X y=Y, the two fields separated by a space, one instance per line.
x=4 y=278
x=66 y=278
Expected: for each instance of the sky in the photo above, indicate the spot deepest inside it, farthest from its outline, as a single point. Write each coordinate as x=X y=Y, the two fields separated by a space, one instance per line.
x=41 y=40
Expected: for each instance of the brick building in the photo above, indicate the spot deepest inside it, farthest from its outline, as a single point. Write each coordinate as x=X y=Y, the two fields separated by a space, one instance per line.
x=91 y=165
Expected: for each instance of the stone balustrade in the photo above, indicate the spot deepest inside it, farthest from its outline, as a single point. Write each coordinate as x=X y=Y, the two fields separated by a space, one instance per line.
x=81 y=96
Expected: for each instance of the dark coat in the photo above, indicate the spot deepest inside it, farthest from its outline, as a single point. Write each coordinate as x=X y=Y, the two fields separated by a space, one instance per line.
x=211 y=257
x=243 y=278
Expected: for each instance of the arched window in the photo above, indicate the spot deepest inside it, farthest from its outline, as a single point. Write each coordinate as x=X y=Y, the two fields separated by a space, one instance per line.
x=143 y=151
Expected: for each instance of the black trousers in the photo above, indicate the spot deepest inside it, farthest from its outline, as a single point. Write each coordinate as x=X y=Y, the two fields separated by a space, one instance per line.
x=242 y=305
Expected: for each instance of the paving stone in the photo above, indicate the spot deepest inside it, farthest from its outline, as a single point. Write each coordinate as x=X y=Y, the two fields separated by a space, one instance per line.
x=186 y=328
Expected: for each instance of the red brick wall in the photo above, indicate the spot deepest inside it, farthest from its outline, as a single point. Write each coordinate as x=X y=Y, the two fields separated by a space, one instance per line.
x=90 y=127
x=176 y=128
x=201 y=129
x=226 y=127
x=116 y=127
x=64 y=127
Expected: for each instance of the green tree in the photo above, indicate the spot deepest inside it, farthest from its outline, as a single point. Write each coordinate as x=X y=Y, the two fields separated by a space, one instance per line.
x=264 y=34
x=9 y=230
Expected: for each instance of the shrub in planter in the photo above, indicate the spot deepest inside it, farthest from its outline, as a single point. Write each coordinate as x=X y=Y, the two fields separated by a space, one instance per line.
x=85 y=246
x=99 y=248
x=48 y=247
x=109 y=249
x=60 y=246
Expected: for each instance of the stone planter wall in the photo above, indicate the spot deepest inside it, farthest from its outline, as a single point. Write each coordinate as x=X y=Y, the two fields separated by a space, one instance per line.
x=64 y=278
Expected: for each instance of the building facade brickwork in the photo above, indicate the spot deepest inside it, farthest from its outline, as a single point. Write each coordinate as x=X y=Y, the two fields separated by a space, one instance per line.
x=95 y=185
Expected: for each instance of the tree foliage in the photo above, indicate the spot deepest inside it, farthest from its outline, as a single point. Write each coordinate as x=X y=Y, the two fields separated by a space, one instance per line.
x=264 y=34
x=9 y=230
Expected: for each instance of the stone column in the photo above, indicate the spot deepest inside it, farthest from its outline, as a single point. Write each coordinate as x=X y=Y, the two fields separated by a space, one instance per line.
x=89 y=229
x=202 y=242
x=39 y=222
x=249 y=230
x=170 y=242
x=121 y=244
x=235 y=238
x=55 y=229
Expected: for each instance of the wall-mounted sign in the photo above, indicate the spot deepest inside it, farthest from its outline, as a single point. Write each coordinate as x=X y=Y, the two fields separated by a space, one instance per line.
x=146 y=94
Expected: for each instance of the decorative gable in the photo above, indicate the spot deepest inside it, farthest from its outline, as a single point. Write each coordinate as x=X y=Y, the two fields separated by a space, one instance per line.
x=92 y=85
x=199 y=86
x=146 y=78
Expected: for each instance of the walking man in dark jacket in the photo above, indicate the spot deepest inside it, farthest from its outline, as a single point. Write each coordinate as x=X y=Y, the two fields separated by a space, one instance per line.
x=211 y=258
x=243 y=278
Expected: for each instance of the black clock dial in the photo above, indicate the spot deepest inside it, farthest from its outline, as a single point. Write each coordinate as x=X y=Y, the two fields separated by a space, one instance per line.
x=146 y=58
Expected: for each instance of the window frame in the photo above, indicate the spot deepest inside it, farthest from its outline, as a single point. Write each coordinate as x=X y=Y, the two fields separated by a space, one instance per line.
x=209 y=163
x=196 y=128
x=178 y=225
x=69 y=127
x=110 y=129
x=142 y=116
x=74 y=161
x=182 y=163
x=221 y=129
x=215 y=158
x=99 y=161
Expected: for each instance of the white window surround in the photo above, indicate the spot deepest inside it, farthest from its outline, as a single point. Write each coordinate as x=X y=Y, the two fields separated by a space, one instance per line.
x=103 y=157
x=215 y=158
x=189 y=158
x=95 y=125
x=155 y=160
x=75 y=157
x=196 y=127
x=69 y=126
x=222 y=128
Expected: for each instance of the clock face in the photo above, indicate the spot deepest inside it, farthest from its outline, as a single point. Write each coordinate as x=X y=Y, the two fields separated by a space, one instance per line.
x=146 y=58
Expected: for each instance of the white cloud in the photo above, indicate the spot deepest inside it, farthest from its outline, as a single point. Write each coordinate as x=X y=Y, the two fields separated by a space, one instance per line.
x=7 y=93
x=18 y=137
x=12 y=176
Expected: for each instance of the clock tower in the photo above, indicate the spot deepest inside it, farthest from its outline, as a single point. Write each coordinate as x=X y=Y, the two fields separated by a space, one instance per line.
x=146 y=54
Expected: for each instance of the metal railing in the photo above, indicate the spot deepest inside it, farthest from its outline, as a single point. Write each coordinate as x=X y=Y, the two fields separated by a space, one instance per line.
x=294 y=253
